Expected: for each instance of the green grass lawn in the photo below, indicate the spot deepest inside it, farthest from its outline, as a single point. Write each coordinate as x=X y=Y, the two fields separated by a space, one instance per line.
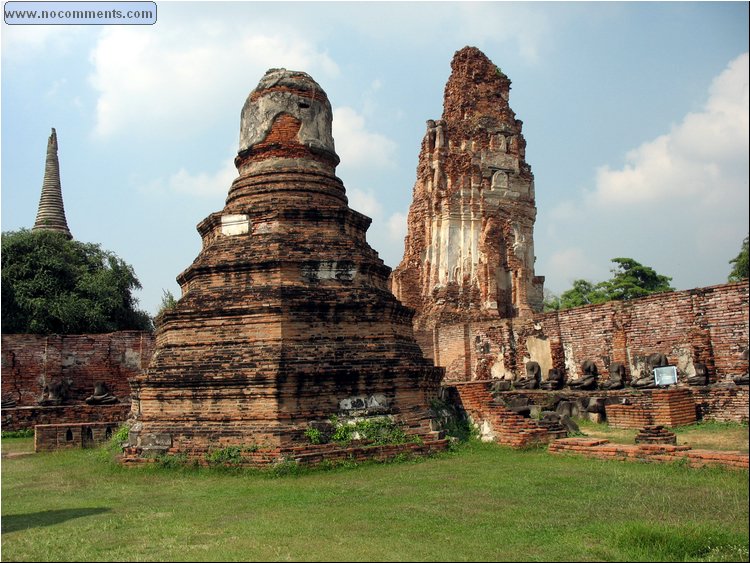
x=484 y=502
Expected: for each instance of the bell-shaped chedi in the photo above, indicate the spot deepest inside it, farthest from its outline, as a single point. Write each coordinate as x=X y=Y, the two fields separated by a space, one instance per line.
x=51 y=213
x=470 y=243
x=286 y=318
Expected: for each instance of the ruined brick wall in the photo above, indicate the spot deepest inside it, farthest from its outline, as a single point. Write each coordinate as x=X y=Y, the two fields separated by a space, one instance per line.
x=24 y=418
x=707 y=325
x=50 y=437
x=727 y=403
x=29 y=362
x=494 y=421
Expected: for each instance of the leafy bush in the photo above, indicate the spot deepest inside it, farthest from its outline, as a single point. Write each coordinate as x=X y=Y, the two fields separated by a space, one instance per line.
x=230 y=455
x=376 y=431
x=314 y=435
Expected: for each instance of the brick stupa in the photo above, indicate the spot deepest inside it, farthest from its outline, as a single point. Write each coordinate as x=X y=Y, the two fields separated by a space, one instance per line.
x=285 y=317
x=468 y=266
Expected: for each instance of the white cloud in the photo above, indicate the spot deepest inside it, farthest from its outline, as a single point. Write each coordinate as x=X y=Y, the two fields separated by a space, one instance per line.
x=573 y=263
x=680 y=202
x=397 y=227
x=364 y=201
x=23 y=42
x=386 y=233
x=167 y=76
x=356 y=146
x=704 y=158
x=201 y=184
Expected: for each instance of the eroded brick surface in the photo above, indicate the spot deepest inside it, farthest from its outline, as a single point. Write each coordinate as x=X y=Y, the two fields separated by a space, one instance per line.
x=470 y=243
x=285 y=317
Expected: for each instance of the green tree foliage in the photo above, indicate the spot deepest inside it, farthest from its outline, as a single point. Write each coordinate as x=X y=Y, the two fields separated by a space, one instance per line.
x=630 y=280
x=583 y=292
x=54 y=285
x=741 y=268
x=551 y=301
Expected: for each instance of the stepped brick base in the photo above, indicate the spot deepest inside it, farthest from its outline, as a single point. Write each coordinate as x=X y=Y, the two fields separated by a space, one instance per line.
x=603 y=449
x=655 y=435
x=308 y=455
x=498 y=423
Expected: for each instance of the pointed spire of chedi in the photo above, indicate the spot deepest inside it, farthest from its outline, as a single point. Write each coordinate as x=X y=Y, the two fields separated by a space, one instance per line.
x=51 y=213
x=469 y=247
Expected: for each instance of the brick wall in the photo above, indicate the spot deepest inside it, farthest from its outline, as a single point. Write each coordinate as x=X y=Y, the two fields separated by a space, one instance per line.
x=657 y=453
x=707 y=325
x=29 y=362
x=727 y=403
x=21 y=418
x=722 y=403
x=50 y=437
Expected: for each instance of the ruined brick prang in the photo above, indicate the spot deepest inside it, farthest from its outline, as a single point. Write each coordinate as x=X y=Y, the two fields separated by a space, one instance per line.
x=470 y=243
x=285 y=317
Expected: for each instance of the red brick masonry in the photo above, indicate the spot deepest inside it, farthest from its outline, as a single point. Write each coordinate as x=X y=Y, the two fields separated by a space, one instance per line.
x=603 y=449
x=21 y=418
x=50 y=437
x=496 y=422
x=666 y=407
x=31 y=361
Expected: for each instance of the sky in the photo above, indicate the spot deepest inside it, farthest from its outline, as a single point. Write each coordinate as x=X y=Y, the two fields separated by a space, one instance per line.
x=635 y=117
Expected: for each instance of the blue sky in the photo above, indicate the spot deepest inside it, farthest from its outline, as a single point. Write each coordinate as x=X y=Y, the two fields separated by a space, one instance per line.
x=635 y=115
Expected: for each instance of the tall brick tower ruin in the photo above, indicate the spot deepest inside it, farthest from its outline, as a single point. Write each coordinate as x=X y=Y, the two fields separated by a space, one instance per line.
x=286 y=317
x=51 y=213
x=469 y=253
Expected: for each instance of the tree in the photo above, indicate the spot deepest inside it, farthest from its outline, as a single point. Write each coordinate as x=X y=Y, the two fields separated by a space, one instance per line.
x=54 y=285
x=583 y=292
x=630 y=280
x=551 y=301
x=741 y=268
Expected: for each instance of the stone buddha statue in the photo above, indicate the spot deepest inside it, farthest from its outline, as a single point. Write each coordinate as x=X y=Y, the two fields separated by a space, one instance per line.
x=743 y=379
x=701 y=375
x=54 y=394
x=589 y=378
x=646 y=380
x=616 y=377
x=531 y=381
x=101 y=395
x=554 y=381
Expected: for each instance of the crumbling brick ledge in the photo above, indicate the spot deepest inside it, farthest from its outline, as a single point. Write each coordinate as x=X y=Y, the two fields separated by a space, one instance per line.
x=310 y=455
x=603 y=449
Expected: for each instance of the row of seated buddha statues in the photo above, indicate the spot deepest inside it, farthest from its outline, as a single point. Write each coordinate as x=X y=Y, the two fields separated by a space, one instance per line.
x=58 y=392
x=618 y=377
